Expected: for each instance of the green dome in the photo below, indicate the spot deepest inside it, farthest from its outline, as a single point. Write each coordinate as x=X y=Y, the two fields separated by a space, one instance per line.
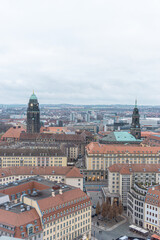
x=33 y=97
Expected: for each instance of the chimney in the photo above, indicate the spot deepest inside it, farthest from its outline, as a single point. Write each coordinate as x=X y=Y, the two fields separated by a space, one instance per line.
x=153 y=188
x=60 y=191
x=53 y=193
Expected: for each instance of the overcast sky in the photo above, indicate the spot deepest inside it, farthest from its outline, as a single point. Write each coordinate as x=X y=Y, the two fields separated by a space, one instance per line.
x=80 y=51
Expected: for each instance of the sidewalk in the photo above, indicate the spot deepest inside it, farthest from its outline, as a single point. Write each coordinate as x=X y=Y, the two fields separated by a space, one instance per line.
x=111 y=228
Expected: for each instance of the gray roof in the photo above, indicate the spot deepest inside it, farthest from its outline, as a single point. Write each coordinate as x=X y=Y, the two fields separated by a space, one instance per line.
x=30 y=152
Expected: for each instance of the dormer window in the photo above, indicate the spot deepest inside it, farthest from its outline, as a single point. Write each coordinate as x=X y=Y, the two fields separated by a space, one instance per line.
x=30 y=229
x=35 y=221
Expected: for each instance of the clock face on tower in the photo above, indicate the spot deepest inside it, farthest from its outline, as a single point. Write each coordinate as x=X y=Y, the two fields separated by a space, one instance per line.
x=31 y=104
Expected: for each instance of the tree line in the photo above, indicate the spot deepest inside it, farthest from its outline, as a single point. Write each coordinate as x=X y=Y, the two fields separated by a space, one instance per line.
x=109 y=211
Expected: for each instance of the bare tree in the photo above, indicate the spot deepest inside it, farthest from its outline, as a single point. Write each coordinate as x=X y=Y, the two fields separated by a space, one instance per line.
x=98 y=208
x=120 y=208
x=104 y=210
x=111 y=213
x=115 y=210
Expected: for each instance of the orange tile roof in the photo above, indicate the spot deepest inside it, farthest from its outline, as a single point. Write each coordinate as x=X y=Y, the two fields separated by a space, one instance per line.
x=147 y=133
x=53 y=129
x=59 y=199
x=156 y=236
x=48 y=170
x=23 y=187
x=74 y=172
x=130 y=168
x=104 y=133
x=153 y=196
x=20 y=219
x=97 y=148
x=13 y=132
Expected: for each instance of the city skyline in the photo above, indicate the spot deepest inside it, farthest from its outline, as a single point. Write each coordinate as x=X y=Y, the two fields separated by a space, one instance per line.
x=80 y=52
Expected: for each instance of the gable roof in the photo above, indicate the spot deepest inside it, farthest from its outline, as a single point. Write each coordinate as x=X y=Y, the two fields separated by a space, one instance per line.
x=130 y=168
x=51 y=202
x=48 y=170
x=18 y=219
x=97 y=148
x=74 y=172
x=13 y=132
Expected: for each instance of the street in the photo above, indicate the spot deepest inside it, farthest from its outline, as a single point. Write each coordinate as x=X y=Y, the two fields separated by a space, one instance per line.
x=122 y=230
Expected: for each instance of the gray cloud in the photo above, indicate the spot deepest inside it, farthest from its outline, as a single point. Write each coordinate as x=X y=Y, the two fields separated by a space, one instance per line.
x=78 y=51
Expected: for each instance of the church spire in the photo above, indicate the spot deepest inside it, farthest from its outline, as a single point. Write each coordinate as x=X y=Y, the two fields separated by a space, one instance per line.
x=135 y=129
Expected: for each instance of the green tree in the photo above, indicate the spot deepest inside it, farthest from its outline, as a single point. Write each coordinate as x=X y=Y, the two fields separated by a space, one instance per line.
x=98 y=208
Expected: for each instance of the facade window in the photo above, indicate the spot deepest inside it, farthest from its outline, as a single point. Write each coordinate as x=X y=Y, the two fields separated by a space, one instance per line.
x=30 y=231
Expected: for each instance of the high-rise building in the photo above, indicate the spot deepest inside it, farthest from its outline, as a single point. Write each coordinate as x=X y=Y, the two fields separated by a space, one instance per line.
x=33 y=115
x=135 y=129
x=87 y=117
x=72 y=117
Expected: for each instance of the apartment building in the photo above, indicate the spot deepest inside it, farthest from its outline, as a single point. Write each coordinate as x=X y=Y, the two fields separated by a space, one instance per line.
x=32 y=157
x=122 y=177
x=71 y=151
x=43 y=210
x=135 y=204
x=78 y=139
x=66 y=175
x=99 y=157
x=152 y=209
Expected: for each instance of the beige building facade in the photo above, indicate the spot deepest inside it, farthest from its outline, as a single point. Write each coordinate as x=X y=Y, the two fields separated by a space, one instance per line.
x=99 y=157
x=32 y=157
x=67 y=175
x=47 y=211
x=122 y=177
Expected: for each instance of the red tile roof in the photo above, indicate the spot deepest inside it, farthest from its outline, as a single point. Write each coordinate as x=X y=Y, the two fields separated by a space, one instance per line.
x=55 y=137
x=74 y=172
x=23 y=187
x=153 y=196
x=59 y=199
x=147 y=133
x=97 y=148
x=130 y=168
x=155 y=236
x=13 y=132
x=20 y=219
x=59 y=130
x=48 y=170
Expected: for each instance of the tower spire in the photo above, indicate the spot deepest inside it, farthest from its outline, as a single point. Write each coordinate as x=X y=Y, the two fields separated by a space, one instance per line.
x=136 y=103
x=135 y=129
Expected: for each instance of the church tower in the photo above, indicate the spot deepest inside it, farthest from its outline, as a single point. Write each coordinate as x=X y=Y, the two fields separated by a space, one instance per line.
x=33 y=115
x=135 y=129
